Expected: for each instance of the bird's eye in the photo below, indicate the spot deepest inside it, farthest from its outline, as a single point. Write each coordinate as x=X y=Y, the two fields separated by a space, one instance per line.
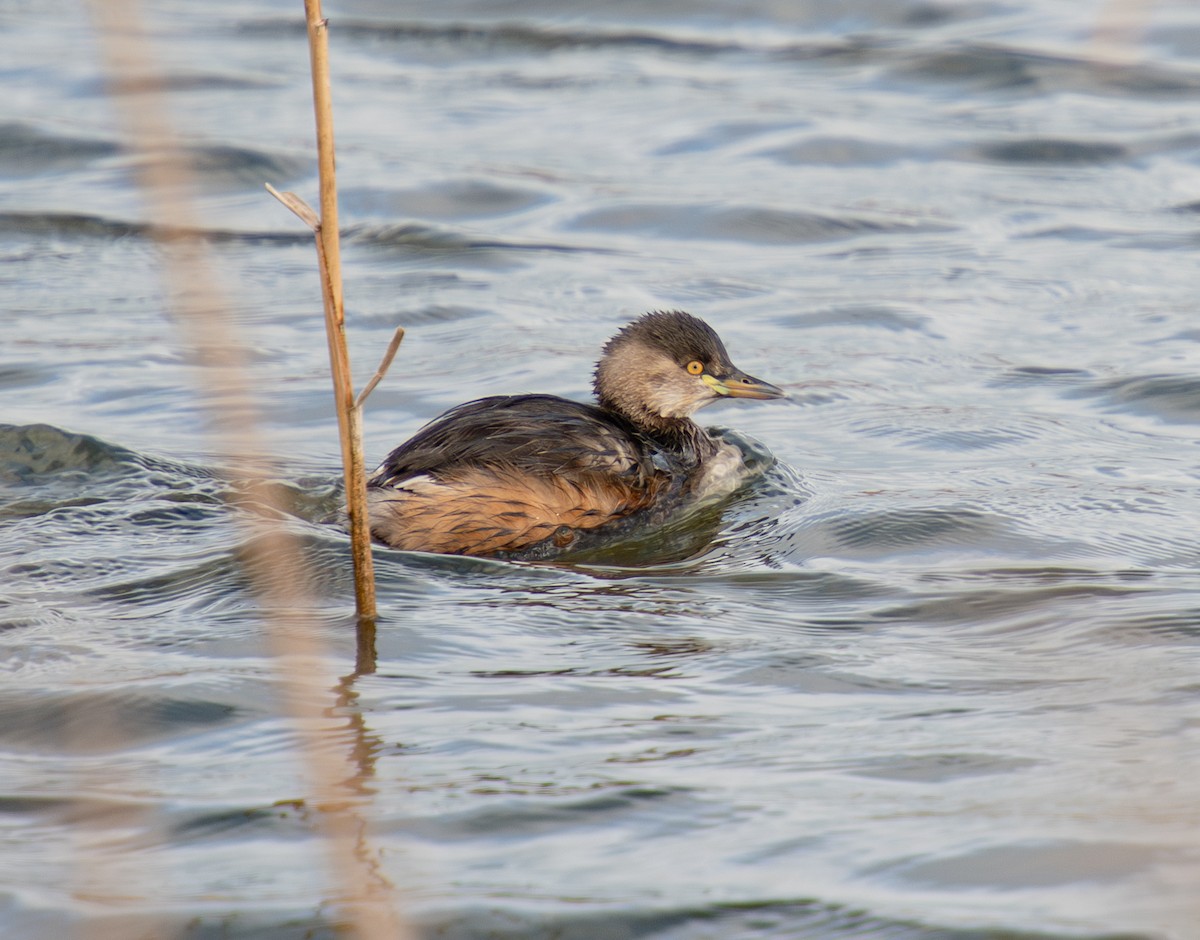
x=695 y=367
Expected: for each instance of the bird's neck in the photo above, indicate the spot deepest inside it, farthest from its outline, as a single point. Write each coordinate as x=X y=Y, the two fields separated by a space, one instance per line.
x=681 y=436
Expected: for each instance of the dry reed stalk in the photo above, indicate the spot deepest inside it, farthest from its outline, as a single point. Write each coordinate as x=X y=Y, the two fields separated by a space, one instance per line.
x=330 y=261
x=384 y=364
x=275 y=564
x=349 y=409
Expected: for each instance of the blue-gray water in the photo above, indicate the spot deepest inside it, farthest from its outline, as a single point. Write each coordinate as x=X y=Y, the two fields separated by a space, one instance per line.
x=935 y=675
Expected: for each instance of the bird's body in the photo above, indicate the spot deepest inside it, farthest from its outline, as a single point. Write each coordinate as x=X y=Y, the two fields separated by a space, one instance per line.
x=536 y=476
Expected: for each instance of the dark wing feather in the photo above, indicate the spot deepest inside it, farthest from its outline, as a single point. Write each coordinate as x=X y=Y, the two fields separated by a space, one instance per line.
x=540 y=435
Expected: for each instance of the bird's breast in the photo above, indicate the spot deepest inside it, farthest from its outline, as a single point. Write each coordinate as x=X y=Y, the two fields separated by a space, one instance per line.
x=721 y=474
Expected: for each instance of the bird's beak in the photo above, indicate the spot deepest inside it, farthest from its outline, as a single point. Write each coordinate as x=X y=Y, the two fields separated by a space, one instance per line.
x=739 y=385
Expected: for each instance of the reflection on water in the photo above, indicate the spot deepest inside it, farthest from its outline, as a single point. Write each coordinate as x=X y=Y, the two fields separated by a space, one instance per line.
x=931 y=675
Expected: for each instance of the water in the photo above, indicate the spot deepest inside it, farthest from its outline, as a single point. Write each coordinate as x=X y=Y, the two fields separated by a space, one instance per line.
x=933 y=676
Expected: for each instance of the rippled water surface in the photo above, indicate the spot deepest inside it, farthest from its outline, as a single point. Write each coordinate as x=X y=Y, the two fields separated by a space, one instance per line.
x=933 y=675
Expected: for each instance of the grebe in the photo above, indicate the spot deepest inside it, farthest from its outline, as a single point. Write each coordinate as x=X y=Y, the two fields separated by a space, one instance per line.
x=537 y=476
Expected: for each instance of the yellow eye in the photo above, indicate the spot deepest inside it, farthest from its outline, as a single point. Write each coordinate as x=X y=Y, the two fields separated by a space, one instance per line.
x=695 y=367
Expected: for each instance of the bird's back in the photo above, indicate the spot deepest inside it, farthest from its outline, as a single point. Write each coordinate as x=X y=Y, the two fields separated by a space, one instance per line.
x=513 y=475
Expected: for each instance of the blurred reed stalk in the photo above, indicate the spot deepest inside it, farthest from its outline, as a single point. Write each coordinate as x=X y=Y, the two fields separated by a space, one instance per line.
x=1120 y=28
x=272 y=554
